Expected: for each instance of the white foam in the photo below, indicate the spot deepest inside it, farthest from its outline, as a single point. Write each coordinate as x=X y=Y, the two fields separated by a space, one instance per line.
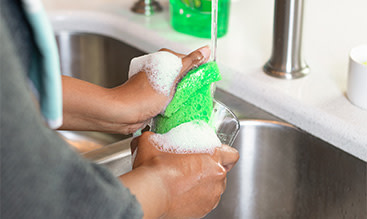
x=191 y=137
x=162 y=68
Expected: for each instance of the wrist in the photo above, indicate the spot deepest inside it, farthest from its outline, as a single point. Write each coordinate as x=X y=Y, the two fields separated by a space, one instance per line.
x=141 y=100
x=87 y=106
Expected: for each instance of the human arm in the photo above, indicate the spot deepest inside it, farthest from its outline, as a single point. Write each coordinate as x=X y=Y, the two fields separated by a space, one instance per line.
x=41 y=175
x=178 y=185
x=122 y=109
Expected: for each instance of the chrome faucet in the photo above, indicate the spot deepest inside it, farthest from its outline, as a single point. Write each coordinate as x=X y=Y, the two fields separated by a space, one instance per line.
x=286 y=58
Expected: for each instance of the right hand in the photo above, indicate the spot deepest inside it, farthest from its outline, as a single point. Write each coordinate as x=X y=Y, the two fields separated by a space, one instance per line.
x=178 y=185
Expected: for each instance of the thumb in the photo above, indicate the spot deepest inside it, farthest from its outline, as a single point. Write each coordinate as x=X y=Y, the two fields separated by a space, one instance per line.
x=227 y=156
x=192 y=60
x=146 y=149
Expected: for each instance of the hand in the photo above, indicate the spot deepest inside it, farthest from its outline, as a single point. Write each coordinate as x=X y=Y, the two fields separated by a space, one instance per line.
x=178 y=185
x=144 y=102
x=123 y=109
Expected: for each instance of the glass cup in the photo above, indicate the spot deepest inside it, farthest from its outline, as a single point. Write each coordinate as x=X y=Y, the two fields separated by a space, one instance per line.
x=223 y=120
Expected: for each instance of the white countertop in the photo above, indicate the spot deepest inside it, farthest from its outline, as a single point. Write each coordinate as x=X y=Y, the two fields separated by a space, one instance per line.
x=316 y=103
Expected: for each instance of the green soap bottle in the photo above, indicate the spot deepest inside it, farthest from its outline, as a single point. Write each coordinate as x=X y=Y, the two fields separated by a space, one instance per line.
x=193 y=17
x=193 y=99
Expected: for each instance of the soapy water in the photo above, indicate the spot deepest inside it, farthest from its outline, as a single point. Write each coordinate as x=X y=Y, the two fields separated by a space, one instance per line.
x=191 y=137
x=161 y=68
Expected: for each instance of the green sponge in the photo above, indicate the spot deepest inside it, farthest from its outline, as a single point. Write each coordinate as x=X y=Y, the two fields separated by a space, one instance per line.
x=193 y=99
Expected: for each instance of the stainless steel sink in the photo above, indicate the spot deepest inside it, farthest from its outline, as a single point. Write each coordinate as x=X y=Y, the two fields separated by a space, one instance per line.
x=286 y=173
x=283 y=172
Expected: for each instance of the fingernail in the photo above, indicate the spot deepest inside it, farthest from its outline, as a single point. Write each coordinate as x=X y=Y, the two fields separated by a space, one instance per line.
x=205 y=51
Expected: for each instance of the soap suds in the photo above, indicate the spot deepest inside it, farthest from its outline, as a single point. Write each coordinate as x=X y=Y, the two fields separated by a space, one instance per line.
x=191 y=137
x=162 y=68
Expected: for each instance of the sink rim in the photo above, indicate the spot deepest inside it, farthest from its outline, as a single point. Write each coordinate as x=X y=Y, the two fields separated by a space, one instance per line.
x=121 y=148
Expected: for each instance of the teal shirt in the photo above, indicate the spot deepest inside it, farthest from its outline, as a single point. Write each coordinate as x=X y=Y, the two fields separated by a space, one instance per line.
x=41 y=176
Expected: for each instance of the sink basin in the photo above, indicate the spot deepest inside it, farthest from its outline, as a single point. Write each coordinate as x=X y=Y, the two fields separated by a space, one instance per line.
x=283 y=172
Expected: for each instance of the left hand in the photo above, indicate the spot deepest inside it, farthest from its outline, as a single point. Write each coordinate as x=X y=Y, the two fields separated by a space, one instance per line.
x=142 y=101
x=123 y=109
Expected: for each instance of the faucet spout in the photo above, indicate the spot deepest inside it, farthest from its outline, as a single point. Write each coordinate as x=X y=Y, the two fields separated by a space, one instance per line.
x=286 y=59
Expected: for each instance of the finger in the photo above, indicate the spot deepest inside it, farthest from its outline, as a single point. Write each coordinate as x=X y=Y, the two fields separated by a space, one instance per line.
x=146 y=148
x=227 y=156
x=173 y=52
x=194 y=59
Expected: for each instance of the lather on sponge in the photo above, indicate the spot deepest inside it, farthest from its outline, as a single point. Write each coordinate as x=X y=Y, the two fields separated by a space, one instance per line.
x=193 y=99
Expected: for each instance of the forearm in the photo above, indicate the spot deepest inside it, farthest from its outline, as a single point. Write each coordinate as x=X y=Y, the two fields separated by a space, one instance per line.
x=86 y=105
